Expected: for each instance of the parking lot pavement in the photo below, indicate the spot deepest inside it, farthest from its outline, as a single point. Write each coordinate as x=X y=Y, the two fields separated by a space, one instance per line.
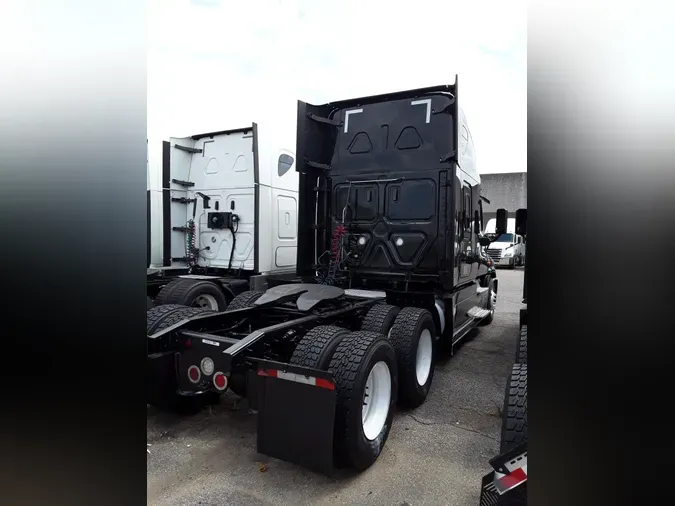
x=435 y=455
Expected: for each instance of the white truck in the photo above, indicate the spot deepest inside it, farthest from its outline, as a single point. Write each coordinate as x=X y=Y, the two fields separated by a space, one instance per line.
x=505 y=250
x=222 y=215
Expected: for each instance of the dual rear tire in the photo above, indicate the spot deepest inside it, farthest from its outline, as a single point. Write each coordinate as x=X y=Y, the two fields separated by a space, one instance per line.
x=388 y=362
x=193 y=292
x=363 y=365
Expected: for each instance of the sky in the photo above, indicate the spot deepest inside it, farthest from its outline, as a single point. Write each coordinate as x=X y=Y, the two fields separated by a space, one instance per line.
x=219 y=64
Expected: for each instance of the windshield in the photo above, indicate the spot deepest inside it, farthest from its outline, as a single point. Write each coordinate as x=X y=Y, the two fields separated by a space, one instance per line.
x=505 y=238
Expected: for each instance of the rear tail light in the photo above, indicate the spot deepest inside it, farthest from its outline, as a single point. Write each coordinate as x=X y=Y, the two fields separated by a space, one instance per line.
x=194 y=374
x=220 y=381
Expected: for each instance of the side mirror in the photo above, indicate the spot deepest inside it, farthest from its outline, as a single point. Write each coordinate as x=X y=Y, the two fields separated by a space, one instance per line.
x=476 y=222
x=502 y=217
x=521 y=222
x=484 y=241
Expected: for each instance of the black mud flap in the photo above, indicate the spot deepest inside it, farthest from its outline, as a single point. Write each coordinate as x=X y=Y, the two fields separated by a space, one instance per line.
x=160 y=375
x=296 y=413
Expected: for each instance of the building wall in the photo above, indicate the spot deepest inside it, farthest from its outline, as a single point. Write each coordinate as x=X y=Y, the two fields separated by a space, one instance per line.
x=507 y=191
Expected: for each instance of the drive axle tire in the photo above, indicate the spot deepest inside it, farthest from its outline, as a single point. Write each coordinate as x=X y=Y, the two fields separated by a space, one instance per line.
x=413 y=337
x=521 y=351
x=155 y=315
x=244 y=300
x=514 y=415
x=167 y=399
x=193 y=292
x=316 y=348
x=380 y=318
x=365 y=373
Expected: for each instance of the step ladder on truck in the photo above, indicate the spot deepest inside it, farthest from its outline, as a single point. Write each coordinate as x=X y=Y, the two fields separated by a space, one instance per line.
x=506 y=485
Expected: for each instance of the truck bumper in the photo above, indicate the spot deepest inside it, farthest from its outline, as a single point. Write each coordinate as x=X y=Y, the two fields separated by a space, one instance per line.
x=505 y=262
x=295 y=405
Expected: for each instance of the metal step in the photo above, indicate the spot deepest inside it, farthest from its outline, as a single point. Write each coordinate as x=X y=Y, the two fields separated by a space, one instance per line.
x=476 y=312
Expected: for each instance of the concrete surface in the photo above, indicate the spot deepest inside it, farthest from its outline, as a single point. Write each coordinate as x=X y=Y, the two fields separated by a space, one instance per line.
x=435 y=455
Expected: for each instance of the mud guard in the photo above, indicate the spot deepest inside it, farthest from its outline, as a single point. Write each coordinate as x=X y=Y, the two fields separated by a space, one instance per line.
x=160 y=375
x=296 y=414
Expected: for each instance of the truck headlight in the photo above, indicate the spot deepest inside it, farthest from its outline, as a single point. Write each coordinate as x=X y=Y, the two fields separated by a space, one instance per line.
x=508 y=252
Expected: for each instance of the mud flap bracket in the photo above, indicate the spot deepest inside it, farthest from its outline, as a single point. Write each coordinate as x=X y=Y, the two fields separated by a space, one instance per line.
x=296 y=413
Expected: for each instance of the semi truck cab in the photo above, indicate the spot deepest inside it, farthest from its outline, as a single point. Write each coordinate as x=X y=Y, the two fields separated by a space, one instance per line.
x=507 y=250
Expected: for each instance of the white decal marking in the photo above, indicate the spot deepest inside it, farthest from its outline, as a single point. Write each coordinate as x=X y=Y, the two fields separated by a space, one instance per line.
x=296 y=377
x=347 y=113
x=212 y=343
x=427 y=102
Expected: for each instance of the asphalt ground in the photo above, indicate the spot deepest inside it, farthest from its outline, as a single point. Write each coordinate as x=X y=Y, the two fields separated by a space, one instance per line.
x=435 y=455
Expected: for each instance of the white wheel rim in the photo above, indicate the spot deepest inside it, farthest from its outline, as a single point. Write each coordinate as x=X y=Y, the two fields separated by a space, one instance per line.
x=424 y=354
x=206 y=301
x=376 y=400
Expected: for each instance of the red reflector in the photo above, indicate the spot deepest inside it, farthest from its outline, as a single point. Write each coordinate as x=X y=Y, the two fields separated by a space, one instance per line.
x=513 y=479
x=194 y=373
x=220 y=381
x=325 y=384
x=268 y=372
x=188 y=343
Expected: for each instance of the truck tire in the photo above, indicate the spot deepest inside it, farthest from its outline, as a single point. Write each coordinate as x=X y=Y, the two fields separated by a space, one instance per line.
x=413 y=336
x=244 y=300
x=193 y=292
x=149 y=304
x=380 y=318
x=521 y=351
x=514 y=415
x=160 y=318
x=316 y=348
x=155 y=315
x=363 y=363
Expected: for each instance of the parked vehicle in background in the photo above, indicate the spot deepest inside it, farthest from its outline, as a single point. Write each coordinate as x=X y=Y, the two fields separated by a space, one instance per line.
x=222 y=215
x=507 y=250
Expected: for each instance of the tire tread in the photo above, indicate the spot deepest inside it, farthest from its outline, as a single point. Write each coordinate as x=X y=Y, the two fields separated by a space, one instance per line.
x=521 y=351
x=244 y=300
x=514 y=417
x=406 y=325
x=345 y=365
x=380 y=318
x=311 y=349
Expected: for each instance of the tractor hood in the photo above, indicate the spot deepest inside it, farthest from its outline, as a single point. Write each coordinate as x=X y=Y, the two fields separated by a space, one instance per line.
x=500 y=245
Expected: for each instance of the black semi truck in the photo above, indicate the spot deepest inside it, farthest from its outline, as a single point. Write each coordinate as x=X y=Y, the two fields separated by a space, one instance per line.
x=389 y=271
x=506 y=485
